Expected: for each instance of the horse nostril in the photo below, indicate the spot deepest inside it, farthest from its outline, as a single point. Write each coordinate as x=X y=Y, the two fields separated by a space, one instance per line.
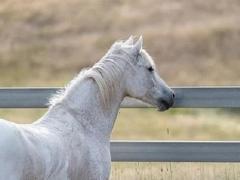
x=173 y=95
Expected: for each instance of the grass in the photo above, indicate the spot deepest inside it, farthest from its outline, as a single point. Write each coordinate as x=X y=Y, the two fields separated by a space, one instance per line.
x=187 y=37
x=176 y=171
x=177 y=124
x=149 y=124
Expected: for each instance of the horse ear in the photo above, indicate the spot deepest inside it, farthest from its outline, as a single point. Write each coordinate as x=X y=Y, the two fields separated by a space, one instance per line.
x=129 y=41
x=138 y=46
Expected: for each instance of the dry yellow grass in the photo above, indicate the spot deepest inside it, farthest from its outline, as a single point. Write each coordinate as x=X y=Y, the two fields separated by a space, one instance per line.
x=175 y=171
x=188 y=39
x=149 y=124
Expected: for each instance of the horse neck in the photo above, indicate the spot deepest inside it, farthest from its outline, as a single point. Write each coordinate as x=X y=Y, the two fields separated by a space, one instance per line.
x=83 y=107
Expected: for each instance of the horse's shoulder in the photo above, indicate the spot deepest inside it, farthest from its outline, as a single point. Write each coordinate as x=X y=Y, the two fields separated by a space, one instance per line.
x=10 y=143
x=9 y=131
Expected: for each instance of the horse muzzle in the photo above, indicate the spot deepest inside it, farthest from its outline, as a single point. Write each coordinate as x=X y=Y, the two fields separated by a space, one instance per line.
x=165 y=103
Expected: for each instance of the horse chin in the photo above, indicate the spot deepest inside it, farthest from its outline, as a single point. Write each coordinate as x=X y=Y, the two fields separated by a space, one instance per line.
x=162 y=108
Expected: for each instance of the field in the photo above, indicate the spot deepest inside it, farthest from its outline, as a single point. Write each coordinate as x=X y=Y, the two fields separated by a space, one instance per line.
x=176 y=171
x=52 y=40
x=46 y=43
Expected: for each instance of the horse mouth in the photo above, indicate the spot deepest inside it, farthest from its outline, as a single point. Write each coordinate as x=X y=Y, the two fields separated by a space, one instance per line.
x=162 y=108
x=164 y=105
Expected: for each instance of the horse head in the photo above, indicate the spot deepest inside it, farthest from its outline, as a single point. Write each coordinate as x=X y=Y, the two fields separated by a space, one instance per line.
x=142 y=79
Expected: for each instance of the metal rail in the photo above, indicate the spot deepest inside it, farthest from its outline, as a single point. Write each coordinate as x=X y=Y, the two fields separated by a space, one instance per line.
x=157 y=151
x=178 y=151
x=186 y=97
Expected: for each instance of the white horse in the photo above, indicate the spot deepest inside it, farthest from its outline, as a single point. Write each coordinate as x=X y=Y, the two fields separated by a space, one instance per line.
x=72 y=140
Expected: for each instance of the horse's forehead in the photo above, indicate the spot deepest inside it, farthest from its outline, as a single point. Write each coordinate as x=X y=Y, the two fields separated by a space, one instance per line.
x=146 y=60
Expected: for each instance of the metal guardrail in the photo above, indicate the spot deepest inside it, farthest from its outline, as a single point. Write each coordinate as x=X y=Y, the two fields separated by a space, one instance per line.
x=157 y=151
x=186 y=97
x=176 y=151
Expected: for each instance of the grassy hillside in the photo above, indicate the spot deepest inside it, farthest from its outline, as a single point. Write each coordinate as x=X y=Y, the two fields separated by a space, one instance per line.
x=192 y=42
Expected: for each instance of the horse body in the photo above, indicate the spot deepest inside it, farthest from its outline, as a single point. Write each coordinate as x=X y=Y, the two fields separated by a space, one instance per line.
x=66 y=143
x=30 y=152
x=72 y=140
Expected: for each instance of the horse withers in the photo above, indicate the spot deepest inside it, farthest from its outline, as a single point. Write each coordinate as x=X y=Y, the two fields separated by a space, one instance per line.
x=72 y=140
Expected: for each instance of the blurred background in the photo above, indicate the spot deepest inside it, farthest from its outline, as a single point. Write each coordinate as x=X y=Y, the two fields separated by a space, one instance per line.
x=193 y=42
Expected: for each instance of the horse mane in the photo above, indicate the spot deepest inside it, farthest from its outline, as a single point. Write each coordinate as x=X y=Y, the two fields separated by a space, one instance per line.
x=106 y=73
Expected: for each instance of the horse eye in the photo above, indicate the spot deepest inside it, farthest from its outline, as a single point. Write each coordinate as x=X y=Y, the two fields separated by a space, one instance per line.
x=150 y=69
